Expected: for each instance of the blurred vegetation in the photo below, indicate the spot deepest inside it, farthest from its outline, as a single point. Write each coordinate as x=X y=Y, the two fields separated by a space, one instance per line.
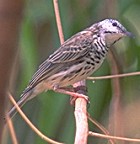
x=51 y=112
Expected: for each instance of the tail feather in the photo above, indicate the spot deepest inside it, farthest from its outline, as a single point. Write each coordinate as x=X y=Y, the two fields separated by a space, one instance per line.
x=28 y=94
x=20 y=103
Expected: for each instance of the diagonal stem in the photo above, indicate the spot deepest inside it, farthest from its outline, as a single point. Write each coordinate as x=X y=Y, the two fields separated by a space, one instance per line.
x=58 y=21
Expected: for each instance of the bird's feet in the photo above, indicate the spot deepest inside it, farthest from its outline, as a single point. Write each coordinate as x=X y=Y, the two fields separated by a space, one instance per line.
x=71 y=93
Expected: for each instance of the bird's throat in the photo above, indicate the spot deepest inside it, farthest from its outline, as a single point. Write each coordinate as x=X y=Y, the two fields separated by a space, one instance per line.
x=111 y=38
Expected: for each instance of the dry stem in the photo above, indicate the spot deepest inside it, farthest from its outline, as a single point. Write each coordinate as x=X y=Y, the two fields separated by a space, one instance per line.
x=12 y=131
x=30 y=123
x=103 y=129
x=58 y=21
x=113 y=137
x=114 y=76
x=81 y=115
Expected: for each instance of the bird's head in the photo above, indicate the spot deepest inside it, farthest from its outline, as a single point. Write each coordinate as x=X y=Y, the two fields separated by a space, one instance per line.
x=111 y=30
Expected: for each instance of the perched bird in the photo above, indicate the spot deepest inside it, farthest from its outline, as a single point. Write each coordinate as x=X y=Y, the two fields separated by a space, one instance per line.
x=75 y=60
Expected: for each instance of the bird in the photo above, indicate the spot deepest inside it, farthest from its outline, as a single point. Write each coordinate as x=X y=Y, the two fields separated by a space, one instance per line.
x=75 y=60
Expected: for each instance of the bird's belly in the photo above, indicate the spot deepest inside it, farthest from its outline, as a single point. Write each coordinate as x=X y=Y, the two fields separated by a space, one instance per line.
x=72 y=75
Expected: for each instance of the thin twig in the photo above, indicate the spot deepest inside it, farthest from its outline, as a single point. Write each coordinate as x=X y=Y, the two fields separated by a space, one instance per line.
x=113 y=137
x=114 y=76
x=30 y=124
x=11 y=129
x=104 y=130
x=58 y=21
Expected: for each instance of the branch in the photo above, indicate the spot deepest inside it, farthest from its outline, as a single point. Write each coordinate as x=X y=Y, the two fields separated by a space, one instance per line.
x=81 y=115
x=114 y=76
x=12 y=130
x=58 y=21
x=81 y=121
x=98 y=125
x=113 y=137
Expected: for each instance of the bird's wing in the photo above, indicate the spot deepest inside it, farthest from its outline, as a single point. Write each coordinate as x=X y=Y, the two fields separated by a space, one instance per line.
x=74 y=48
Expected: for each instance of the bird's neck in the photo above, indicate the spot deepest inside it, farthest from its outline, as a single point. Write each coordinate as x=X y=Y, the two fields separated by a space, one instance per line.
x=100 y=45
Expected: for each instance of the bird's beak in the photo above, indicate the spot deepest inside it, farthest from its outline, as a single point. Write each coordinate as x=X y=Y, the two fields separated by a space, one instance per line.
x=129 y=34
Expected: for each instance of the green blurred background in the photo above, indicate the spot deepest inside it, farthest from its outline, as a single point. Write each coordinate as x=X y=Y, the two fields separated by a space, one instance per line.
x=51 y=112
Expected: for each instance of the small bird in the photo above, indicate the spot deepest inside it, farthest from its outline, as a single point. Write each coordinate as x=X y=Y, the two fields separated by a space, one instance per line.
x=75 y=60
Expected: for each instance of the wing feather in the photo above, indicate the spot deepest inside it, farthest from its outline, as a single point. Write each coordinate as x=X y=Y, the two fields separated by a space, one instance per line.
x=74 y=48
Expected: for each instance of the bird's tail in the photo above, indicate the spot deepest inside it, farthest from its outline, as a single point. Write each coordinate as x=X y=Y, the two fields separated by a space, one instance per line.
x=28 y=94
x=24 y=98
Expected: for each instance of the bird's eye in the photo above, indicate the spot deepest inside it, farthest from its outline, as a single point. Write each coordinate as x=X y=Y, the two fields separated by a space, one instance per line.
x=114 y=24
